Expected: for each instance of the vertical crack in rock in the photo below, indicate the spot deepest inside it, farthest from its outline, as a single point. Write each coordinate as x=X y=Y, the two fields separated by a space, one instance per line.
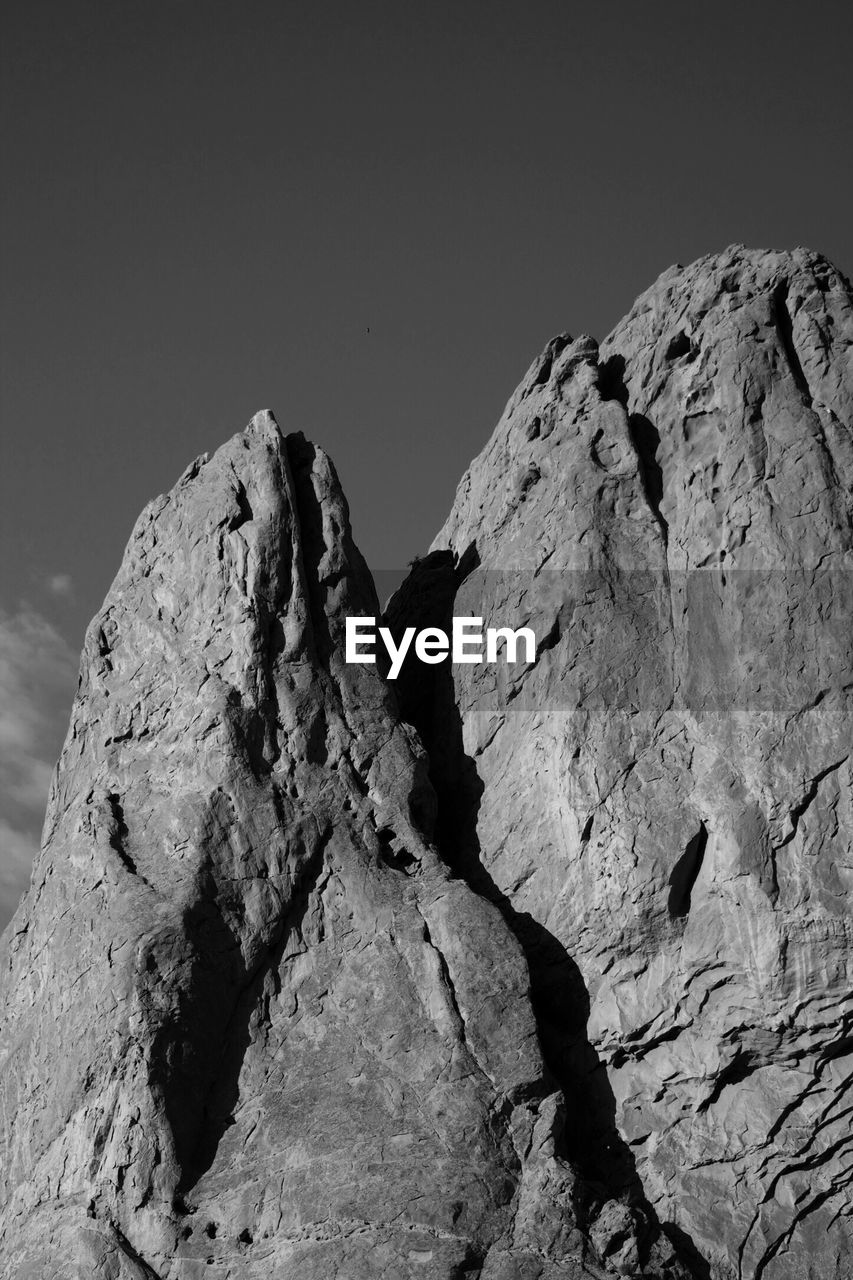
x=644 y=435
x=589 y=1139
x=784 y=323
x=646 y=440
x=785 y=327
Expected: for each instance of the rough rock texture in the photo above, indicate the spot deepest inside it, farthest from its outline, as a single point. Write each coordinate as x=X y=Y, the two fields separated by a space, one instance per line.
x=661 y=804
x=250 y=1025
x=530 y=972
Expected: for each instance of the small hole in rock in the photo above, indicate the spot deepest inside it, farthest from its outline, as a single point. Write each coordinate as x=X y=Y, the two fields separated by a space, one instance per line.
x=399 y=859
x=679 y=346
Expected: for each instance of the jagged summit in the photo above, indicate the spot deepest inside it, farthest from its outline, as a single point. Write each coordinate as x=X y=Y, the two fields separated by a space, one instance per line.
x=666 y=792
x=246 y=1011
x=721 y=375
x=536 y=975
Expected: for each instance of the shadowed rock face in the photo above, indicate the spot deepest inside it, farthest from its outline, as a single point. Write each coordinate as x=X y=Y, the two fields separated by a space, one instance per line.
x=251 y=1026
x=490 y=973
x=660 y=805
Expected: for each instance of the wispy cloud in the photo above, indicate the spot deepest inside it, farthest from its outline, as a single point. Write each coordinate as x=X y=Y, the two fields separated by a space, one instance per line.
x=37 y=679
x=61 y=584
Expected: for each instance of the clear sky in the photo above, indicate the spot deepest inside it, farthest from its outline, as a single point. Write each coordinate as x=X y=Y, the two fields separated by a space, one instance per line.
x=367 y=217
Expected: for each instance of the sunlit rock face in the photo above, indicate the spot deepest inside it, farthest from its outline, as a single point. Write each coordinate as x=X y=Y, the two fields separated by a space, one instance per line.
x=660 y=805
x=250 y=1024
x=508 y=972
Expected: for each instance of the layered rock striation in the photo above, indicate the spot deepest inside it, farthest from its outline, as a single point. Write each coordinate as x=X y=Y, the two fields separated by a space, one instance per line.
x=519 y=972
x=661 y=803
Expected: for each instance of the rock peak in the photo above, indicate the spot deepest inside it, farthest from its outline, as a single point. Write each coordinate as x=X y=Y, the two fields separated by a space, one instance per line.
x=543 y=973
x=656 y=801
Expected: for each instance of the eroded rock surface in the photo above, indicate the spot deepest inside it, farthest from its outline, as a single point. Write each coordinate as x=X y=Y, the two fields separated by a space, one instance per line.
x=661 y=804
x=250 y=1026
x=526 y=972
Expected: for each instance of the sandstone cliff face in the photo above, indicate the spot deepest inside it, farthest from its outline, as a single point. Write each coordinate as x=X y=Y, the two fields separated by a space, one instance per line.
x=661 y=804
x=250 y=1026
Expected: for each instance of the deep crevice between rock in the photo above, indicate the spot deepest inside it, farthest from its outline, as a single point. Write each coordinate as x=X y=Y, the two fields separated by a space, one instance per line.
x=590 y=1140
x=785 y=328
x=644 y=435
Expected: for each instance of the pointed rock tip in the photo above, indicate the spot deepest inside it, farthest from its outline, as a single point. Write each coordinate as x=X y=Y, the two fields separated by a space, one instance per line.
x=263 y=423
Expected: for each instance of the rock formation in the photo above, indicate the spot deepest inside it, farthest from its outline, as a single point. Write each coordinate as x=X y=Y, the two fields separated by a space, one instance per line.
x=530 y=972
x=251 y=1026
x=661 y=804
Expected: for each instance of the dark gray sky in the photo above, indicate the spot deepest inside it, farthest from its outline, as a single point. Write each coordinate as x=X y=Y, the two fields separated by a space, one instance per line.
x=206 y=206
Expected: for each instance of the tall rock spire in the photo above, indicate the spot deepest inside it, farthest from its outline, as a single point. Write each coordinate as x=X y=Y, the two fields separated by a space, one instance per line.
x=250 y=1025
x=661 y=803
